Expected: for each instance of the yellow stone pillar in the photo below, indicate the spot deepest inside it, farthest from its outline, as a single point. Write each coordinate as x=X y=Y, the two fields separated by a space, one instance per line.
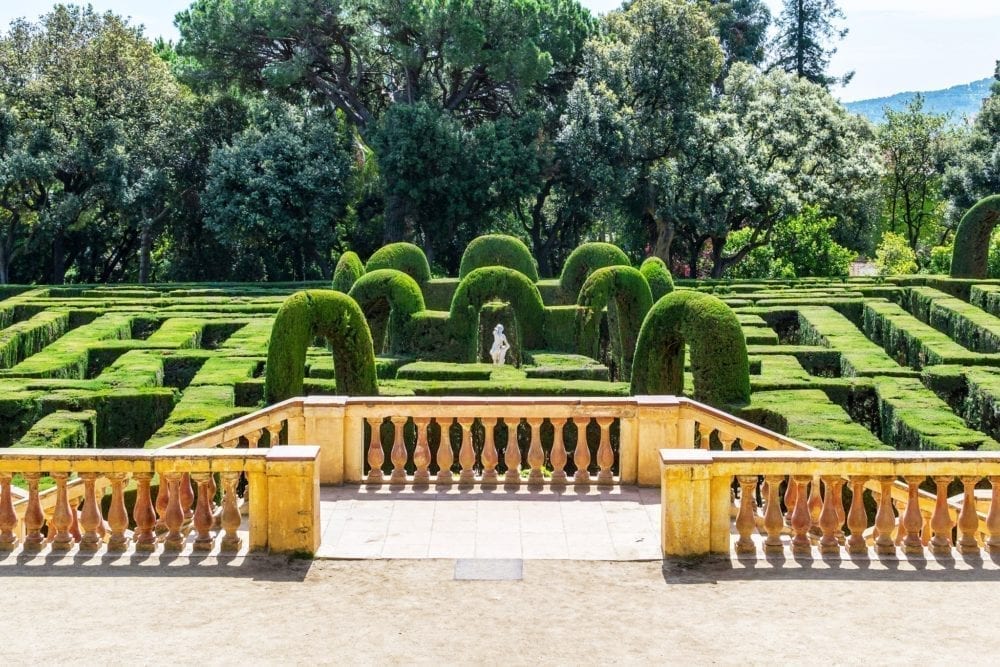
x=686 y=495
x=323 y=426
x=293 y=519
x=656 y=419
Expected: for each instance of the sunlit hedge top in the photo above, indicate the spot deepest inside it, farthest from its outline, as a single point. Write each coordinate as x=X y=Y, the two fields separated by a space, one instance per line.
x=401 y=256
x=498 y=250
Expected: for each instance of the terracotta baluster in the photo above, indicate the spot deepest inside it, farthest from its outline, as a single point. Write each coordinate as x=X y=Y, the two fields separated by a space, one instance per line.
x=900 y=507
x=187 y=493
x=117 y=514
x=512 y=457
x=558 y=455
x=490 y=456
x=445 y=456
x=941 y=519
x=174 y=517
x=230 y=512
x=8 y=517
x=774 y=522
x=911 y=520
x=90 y=518
x=704 y=438
x=162 y=502
x=253 y=438
x=993 y=518
x=376 y=457
x=398 y=453
x=746 y=518
x=968 y=519
x=838 y=493
x=274 y=435
x=34 y=518
x=422 y=451
x=466 y=452
x=790 y=498
x=815 y=505
x=726 y=441
x=61 y=519
x=801 y=520
x=857 y=518
x=204 y=541
x=581 y=454
x=828 y=518
x=74 y=519
x=885 y=520
x=145 y=519
x=605 y=455
x=536 y=455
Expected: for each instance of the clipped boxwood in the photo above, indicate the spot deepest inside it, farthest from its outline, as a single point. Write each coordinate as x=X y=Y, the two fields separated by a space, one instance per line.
x=306 y=315
x=389 y=298
x=498 y=250
x=972 y=239
x=586 y=259
x=497 y=283
x=658 y=276
x=719 y=361
x=401 y=256
x=349 y=269
x=626 y=294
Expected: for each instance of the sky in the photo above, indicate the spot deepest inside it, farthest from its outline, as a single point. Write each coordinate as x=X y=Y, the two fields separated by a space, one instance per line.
x=893 y=45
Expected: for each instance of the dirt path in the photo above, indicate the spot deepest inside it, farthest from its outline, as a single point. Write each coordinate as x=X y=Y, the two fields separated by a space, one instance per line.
x=266 y=611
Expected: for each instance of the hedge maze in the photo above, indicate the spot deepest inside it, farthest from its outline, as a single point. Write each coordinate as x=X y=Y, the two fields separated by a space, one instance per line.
x=907 y=363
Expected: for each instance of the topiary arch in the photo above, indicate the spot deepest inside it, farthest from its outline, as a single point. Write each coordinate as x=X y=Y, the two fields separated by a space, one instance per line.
x=349 y=269
x=498 y=250
x=719 y=360
x=502 y=284
x=972 y=240
x=626 y=295
x=658 y=276
x=401 y=256
x=388 y=298
x=586 y=259
x=336 y=317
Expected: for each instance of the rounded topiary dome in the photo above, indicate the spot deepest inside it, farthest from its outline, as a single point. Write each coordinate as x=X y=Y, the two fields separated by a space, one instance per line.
x=401 y=256
x=498 y=250
x=349 y=269
x=658 y=276
x=586 y=259
x=497 y=283
x=625 y=293
x=388 y=298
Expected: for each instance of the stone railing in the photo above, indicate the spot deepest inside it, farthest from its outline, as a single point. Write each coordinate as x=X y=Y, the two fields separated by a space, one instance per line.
x=698 y=502
x=282 y=513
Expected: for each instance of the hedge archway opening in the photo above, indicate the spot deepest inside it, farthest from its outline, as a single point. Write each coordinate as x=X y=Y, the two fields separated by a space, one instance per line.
x=388 y=298
x=972 y=239
x=338 y=318
x=719 y=359
x=586 y=259
x=498 y=250
x=625 y=293
x=402 y=256
x=495 y=283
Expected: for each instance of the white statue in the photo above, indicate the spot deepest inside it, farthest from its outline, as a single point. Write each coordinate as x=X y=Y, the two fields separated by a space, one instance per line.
x=500 y=346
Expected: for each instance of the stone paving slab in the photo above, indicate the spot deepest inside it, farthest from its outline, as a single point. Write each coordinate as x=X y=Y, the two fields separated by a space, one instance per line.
x=617 y=523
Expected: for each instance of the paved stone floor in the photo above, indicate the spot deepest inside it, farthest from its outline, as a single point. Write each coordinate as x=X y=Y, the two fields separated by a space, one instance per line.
x=408 y=522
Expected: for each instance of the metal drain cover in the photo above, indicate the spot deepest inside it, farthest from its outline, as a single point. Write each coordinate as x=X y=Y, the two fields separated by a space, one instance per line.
x=489 y=569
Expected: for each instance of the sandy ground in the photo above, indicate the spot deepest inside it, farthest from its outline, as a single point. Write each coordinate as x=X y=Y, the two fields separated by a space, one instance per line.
x=259 y=610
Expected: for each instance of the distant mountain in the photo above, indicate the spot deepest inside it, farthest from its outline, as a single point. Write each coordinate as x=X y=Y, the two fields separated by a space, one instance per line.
x=959 y=101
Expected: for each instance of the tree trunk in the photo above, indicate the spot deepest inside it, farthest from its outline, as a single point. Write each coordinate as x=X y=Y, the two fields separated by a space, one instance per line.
x=664 y=238
x=394 y=220
x=145 y=244
x=4 y=275
x=718 y=265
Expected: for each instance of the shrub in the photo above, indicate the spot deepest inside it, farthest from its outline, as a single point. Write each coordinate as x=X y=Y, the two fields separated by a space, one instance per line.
x=940 y=260
x=719 y=360
x=658 y=276
x=388 y=298
x=401 y=256
x=972 y=239
x=339 y=319
x=586 y=259
x=894 y=257
x=626 y=294
x=497 y=283
x=498 y=250
x=349 y=269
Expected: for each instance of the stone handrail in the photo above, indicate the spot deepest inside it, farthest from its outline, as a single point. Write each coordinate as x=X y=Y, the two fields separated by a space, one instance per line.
x=697 y=501
x=283 y=510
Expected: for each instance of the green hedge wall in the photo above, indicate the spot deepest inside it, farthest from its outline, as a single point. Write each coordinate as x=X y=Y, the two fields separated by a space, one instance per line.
x=658 y=276
x=627 y=297
x=972 y=239
x=586 y=259
x=401 y=256
x=389 y=299
x=487 y=284
x=498 y=250
x=349 y=269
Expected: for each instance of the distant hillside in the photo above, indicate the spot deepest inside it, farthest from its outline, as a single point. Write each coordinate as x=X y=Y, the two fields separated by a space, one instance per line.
x=959 y=101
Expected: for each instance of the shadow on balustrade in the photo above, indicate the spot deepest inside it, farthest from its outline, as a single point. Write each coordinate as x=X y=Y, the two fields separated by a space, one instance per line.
x=871 y=567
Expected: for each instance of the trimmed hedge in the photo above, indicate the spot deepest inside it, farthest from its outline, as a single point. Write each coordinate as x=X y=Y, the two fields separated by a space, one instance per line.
x=401 y=256
x=586 y=259
x=492 y=283
x=62 y=430
x=24 y=339
x=658 y=276
x=810 y=416
x=627 y=297
x=966 y=324
x=859 y=357
x=972 y=239
x=349 y=269
x=719 y=360
x=498 y=250
x=303 y=317
x=389 y=299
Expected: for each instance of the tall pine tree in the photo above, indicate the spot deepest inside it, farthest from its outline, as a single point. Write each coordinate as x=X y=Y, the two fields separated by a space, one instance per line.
x=802 y=45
